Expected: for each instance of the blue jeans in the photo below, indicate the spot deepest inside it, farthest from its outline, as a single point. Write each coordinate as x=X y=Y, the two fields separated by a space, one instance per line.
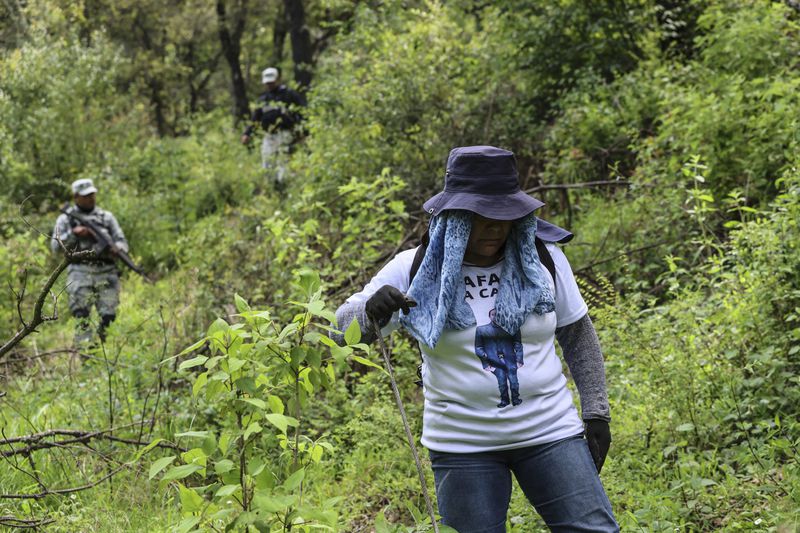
x=559 y=478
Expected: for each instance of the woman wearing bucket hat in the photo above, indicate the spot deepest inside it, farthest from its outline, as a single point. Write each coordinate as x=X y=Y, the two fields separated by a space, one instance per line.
x=486 y=312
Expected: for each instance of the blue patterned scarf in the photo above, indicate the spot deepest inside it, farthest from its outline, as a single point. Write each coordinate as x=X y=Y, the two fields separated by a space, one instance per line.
x=439 y=289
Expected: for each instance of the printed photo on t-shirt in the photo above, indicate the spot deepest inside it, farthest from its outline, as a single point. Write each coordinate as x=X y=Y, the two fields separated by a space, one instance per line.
x=500 y=354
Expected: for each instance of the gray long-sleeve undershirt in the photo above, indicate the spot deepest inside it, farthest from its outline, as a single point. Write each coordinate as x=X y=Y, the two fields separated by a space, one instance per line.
x=578 y=341
x=581 y=349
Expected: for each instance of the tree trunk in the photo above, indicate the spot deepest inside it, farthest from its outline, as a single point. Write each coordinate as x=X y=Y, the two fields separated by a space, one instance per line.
x=231 y=49
x=279 y=32
x=301 y=42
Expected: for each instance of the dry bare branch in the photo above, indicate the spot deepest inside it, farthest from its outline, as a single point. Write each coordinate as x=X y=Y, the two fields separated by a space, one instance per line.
x=38 y=441
x=38 y=318
x=21 y=523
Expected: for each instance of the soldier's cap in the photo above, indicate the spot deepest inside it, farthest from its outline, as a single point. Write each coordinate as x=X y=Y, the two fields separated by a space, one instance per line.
x=83 y=187
x=269 y=75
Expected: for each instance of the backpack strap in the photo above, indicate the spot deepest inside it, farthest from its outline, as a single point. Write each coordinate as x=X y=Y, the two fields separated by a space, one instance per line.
x=418 y=257
x=546 y=258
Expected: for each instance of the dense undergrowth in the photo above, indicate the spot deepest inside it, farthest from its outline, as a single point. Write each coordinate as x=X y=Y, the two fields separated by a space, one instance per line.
x=676 y=130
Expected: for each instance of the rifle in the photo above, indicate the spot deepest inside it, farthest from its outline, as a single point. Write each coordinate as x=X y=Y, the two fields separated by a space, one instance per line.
x=104 y=240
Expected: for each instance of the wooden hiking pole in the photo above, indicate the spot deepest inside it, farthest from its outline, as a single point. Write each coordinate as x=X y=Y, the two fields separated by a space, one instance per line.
x=387 y=361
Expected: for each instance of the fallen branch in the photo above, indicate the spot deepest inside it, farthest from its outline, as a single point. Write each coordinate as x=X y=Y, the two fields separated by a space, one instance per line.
x=19 y=523
x=37 y=441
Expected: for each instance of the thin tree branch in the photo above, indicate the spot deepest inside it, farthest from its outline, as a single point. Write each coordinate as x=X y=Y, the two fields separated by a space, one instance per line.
x=584 y=185
x=622 y=254
x=61 y=492
x=37 y=318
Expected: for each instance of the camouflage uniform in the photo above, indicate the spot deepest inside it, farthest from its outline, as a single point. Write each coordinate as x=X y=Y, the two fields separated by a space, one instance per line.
x=93 y=280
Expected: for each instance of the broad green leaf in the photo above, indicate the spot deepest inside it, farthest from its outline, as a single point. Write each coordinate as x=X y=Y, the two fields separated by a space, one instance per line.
x=160 y=465
x=193 y=347
x=196 y=456
x=218 y=326
x=253 y=428
x=366 y=362
x=340 y=353
x=272 y=503
x=188 y=524
x=289 y=329
x=298 y=355
x=180 y=472
x=281 y=422
x=224 y=441
x=147 y=449
x=294 y=481
x=688 y=426
x=316 y=453
x=275 y=404
x=314 y=358
x=226 y=490
x=309 y=281
x=219 y=375
x=214 y=361
x=193 y=362
x=305 y=381
x=225 y=465
x=235 y=364
x=209 y=445
x=199 y=383
x=191 y=502
x=261 y=404
x=255 y=466
x=353 y=333
x=241 y=303
x=327 y=341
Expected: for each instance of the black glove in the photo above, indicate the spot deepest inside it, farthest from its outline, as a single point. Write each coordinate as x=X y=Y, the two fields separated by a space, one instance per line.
x=385 y=302
x=598 y=436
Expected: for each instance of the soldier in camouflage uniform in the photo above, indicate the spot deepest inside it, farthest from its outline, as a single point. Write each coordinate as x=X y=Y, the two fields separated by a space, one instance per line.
x=93 y=280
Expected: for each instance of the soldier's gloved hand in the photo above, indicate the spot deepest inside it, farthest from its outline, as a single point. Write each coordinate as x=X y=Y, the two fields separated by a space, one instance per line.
x=386 y=300
x=598 y=437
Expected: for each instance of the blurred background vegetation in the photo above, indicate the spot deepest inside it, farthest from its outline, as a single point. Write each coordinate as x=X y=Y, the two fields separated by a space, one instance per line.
x=663 y=133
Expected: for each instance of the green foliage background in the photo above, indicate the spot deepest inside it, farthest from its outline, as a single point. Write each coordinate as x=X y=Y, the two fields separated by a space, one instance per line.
x=664 y=134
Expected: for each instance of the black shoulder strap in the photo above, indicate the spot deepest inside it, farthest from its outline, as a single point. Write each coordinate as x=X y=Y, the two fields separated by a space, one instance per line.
x=541 y=248
x=546 y=258
x=418 y=257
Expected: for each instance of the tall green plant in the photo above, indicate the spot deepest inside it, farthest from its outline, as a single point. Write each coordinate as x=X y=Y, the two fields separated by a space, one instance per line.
x=259 y=378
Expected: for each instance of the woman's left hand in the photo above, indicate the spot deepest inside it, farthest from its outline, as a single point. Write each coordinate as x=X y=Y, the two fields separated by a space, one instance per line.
x=598 y=437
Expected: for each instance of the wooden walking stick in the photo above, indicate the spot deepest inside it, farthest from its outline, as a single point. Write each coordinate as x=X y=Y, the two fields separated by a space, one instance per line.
x=387 y=361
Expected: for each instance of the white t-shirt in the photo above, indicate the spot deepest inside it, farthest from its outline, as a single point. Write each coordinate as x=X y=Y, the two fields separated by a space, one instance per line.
x=484 y=389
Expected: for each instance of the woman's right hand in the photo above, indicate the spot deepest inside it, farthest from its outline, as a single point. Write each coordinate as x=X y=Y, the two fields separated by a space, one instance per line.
x=386 y=300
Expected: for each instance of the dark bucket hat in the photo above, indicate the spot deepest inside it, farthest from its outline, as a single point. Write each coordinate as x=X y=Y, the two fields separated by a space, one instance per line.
x=484 y=180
